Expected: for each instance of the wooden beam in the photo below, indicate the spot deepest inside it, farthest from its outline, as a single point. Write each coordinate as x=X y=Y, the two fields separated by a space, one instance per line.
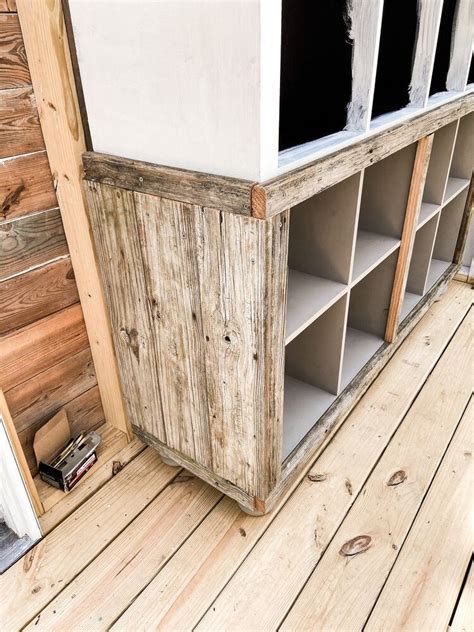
x=20 y=457
x=221 y=192
x=415 y=196
x=289 y=189
x=461 y=46
x=46 y=44
x=425 y=49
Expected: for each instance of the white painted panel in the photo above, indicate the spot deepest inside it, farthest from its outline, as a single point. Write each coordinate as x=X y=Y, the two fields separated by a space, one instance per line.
x=462 y=46
x=178 y=82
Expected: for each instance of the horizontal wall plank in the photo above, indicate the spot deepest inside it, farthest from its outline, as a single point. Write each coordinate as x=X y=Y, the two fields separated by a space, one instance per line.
x=20 y=131
x=84 y=413
x=14 y=71
x=35 y=294
x=31 y=241
x=39 y=346
x=35 y=401
x=26 y=185
x=224 y=193
x=289 y=189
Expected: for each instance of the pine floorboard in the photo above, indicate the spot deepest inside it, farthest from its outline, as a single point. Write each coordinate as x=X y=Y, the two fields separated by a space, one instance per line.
x=345 y=549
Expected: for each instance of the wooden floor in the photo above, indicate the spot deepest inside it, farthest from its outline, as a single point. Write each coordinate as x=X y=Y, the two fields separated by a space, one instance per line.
x=378 y=535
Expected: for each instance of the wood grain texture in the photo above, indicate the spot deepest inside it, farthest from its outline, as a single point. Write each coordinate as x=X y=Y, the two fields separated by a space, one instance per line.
x=210 y=325
x=425 y=48
x=31 y=241
x=366 y=22
x=28 y=587
x=35 y=294
x=84 y=413
x=433 y=560
x=26 y=185
x=464 y=616
x=52 y=77
x=36 y=347
x=20 y=130
x=13 y=62
x=35 y=401
x=383 y=513
x=298 y=185
x=20 y=457
x=193 y=187
x=461 y=46
x=415 y=195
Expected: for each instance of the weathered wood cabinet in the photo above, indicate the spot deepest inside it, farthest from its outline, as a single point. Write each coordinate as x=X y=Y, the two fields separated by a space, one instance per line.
x=249 y=318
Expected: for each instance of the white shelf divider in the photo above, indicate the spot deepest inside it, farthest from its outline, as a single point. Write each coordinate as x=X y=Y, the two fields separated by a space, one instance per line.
x=359 y=347
x=308 y=297
x=454 y=187
x=427 y=212
x=371 y=249
x=437 y=269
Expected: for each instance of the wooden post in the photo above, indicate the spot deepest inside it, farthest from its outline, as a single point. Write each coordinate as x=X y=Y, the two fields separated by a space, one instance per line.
x=44 y=34
x=415 y=195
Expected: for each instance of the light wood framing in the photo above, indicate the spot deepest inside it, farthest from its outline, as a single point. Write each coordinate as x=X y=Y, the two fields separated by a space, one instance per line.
x=408 y=235
x=46 y=44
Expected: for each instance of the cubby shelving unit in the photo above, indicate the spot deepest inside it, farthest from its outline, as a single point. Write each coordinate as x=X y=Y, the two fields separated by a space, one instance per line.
x=270 y=221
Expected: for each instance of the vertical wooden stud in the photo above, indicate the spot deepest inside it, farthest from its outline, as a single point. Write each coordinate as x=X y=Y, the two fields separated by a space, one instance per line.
x=420 y=169
x=429 y=18
x=461 y=46
x=366 y=24
x=49 y=60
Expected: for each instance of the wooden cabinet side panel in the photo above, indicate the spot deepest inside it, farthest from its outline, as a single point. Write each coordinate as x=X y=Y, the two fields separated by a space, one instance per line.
x=114 y=224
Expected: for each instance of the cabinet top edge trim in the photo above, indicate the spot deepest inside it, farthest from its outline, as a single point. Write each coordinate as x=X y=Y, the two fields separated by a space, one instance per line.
x=265 y=199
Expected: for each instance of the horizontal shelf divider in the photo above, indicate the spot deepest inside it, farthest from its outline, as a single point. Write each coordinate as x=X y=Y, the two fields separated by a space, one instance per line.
x=427 y=211
x=409 y=301
x=304 y=405
x=370 y=250
x=359 y=347
x=453 y=188
x=308 y=297
x=437 y=268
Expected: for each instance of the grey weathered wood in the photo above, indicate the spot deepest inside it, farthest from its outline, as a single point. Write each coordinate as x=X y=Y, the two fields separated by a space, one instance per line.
x=197 y=299
x=429 y=17
x=366 y=23
x=227 y=194
x=291 y=188
x=461 y=46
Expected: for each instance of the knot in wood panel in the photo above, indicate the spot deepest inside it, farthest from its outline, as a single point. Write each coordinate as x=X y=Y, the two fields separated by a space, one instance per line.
x=317 y=478
x=397 y=477
x=356 y=545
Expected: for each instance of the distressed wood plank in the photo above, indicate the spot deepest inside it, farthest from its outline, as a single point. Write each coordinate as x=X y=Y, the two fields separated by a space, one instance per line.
x=104 y=589
x=29 y=585
x=425 y=49
x=192 y=187
x=13 y=62
x=282 y=192
x=348 y=580
x=182 y=592
x=38 y=399
x=11 y=4
x=366 y=23
x=36 y=347
x=415 y=195
x=26 y=185
x=464 y=616
x=20 y=130
x=50 y=66
x=31 y=241
x=170 y=259
x=84 y=413
x=113 y=454
x=35 y=294
x=461 y=46
x=433 y=560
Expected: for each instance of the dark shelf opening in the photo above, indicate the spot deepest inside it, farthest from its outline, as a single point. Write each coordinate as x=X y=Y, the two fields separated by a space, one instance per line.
x=443 y=48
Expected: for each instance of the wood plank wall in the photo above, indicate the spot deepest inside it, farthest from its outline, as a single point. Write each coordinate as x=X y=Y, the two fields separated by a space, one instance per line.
x=45 y=359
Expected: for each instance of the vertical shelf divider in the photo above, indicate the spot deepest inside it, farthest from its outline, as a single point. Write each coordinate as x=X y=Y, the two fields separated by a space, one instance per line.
x=408 y=235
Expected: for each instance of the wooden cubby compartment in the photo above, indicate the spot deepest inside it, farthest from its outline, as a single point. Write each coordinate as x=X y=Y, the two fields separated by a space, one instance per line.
x=382 y=210
x=462 y=159
x=367 y=317
x=320 y=251
x=438 y=171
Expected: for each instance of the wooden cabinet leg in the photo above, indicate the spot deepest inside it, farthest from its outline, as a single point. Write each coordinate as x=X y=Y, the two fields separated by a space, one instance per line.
x=250 y=512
